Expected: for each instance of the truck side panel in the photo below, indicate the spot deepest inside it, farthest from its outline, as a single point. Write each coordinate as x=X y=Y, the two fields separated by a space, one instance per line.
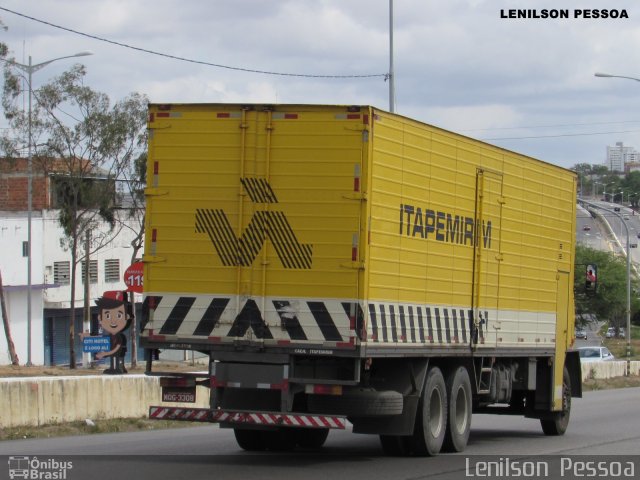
x=464 y=234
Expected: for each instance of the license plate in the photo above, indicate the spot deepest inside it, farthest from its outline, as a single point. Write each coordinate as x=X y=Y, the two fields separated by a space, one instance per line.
x=179 y=394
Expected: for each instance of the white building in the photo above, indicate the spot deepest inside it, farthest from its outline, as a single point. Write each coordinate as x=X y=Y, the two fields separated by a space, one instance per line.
x=51 y=278
x=619 y=156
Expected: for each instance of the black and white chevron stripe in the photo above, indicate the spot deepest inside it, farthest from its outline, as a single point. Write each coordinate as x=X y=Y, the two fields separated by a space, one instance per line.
x=398 y=323
x=310 y=321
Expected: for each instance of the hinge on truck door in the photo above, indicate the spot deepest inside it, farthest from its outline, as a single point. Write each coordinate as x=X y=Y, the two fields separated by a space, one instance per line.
x=353 y=265
x=155 y=192
x=153 y=259
x=355 y=196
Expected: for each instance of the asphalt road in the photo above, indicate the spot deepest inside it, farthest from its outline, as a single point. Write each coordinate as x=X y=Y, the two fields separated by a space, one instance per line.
x=603 y=423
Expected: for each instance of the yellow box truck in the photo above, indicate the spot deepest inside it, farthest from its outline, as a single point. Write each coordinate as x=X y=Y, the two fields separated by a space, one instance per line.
x=345 y=263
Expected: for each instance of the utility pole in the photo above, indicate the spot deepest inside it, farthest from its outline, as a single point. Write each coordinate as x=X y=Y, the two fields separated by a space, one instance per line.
x=86 y=326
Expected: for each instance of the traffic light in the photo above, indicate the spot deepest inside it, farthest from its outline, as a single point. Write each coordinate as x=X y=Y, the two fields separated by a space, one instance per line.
x=591 y=279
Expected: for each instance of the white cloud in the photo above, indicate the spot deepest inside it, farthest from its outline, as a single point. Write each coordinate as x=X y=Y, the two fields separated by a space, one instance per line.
x=457 y=63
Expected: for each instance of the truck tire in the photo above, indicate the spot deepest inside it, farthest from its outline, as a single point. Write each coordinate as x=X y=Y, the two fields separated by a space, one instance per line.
x=250 y=440
x=459 y=412
x=280 y=439
x=395 y=445
x=431 y=419
x=311 y=437
x=358 y=403
x=559 y=421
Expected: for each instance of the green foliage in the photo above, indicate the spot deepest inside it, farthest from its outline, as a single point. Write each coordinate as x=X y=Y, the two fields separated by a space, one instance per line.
x=86 y=146
x=610 y=299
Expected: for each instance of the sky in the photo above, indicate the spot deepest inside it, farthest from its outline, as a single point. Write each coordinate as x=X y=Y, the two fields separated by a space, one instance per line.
x=525 y=84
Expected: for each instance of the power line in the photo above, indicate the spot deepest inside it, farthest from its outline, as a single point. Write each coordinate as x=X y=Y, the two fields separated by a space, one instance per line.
x=559 y=136
x=550 y=126
x=189 y=60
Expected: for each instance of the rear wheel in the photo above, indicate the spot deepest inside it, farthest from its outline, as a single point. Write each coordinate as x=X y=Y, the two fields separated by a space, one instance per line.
x=280 y=440
x=431 y=419
x=311 y=437
x=559 y=421
x=395 y=445
x=250 y=440
x=459 y=418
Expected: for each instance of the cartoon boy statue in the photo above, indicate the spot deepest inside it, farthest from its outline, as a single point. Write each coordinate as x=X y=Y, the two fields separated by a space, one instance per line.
x=114 y=317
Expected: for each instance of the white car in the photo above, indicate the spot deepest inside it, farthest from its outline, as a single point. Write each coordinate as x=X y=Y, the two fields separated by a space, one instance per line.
x=595 y=354
x=611 y=332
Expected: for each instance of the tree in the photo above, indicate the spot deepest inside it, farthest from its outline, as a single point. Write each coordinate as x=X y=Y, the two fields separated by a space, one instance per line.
x=7 y=326
x=4 y=51
x=85 y=145
x=610 y=299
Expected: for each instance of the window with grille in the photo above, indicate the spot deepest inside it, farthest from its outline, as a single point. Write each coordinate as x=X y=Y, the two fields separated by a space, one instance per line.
x=62 y=273
x=112 y=270
x=93 y=271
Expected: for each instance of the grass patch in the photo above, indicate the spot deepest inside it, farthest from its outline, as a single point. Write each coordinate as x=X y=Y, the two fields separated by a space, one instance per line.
x=610 y=383
x=100 y=426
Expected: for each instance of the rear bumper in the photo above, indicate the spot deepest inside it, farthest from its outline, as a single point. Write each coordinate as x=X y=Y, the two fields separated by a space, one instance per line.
x=264 y=419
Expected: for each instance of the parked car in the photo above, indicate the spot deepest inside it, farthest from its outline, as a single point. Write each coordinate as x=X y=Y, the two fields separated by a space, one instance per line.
x=611 y=332
x=581 y=333
x=616 y=209
x=586 y=228
x=595 y=354
x=622 y=333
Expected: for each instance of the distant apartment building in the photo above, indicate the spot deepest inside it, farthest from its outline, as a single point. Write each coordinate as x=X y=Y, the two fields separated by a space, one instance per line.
x=619 y=156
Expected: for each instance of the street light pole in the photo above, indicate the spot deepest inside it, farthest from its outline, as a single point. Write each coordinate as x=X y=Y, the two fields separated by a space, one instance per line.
x=391 y=74
x=29 y=69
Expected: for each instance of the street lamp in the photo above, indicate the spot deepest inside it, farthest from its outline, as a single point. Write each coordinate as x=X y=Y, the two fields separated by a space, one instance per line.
x=29 y=69
x=606 y=75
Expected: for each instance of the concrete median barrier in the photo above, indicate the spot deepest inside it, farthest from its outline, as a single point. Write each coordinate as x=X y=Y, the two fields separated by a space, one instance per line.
x=44 y=400
x=605 y=370
x=37 y=401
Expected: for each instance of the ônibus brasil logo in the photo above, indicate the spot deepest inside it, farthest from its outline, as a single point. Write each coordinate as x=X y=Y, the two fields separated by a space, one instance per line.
x=37 y=469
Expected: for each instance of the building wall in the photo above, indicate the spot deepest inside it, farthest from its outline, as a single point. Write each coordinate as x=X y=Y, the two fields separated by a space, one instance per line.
x=13 y=232
x=619 y=156
x=118 y=247
x=46 y=293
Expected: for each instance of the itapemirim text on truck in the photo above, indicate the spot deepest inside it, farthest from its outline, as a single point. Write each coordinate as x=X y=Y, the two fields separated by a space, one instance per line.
x=343 y=263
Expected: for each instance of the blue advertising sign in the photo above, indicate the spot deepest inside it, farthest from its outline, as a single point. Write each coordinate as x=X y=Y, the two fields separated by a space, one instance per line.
x=96 y=344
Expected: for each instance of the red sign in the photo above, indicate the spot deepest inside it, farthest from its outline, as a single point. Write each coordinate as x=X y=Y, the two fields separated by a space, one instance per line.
x=133 y=277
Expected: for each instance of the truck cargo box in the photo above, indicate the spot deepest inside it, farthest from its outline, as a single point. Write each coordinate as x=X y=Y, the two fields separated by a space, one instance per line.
x=348 y=230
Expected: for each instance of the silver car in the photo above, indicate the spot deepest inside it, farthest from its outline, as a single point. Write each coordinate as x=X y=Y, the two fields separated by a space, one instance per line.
x=595 y=354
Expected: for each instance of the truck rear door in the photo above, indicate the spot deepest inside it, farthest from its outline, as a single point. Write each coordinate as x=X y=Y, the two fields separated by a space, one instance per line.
x=254 y=224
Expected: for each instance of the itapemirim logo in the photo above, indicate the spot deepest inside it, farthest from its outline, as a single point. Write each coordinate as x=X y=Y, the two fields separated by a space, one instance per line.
x=33 y=468
x=264 y=224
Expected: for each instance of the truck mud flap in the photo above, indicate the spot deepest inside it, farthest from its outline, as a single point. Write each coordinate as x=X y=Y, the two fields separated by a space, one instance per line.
x=274 y=419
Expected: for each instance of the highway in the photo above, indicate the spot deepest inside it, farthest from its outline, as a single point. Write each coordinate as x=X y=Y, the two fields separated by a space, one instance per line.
x=603 y=423
x=612 y=235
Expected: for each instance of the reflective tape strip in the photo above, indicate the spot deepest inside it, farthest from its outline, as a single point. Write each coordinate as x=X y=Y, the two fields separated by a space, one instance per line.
x=180 y=413
x=283 y=419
